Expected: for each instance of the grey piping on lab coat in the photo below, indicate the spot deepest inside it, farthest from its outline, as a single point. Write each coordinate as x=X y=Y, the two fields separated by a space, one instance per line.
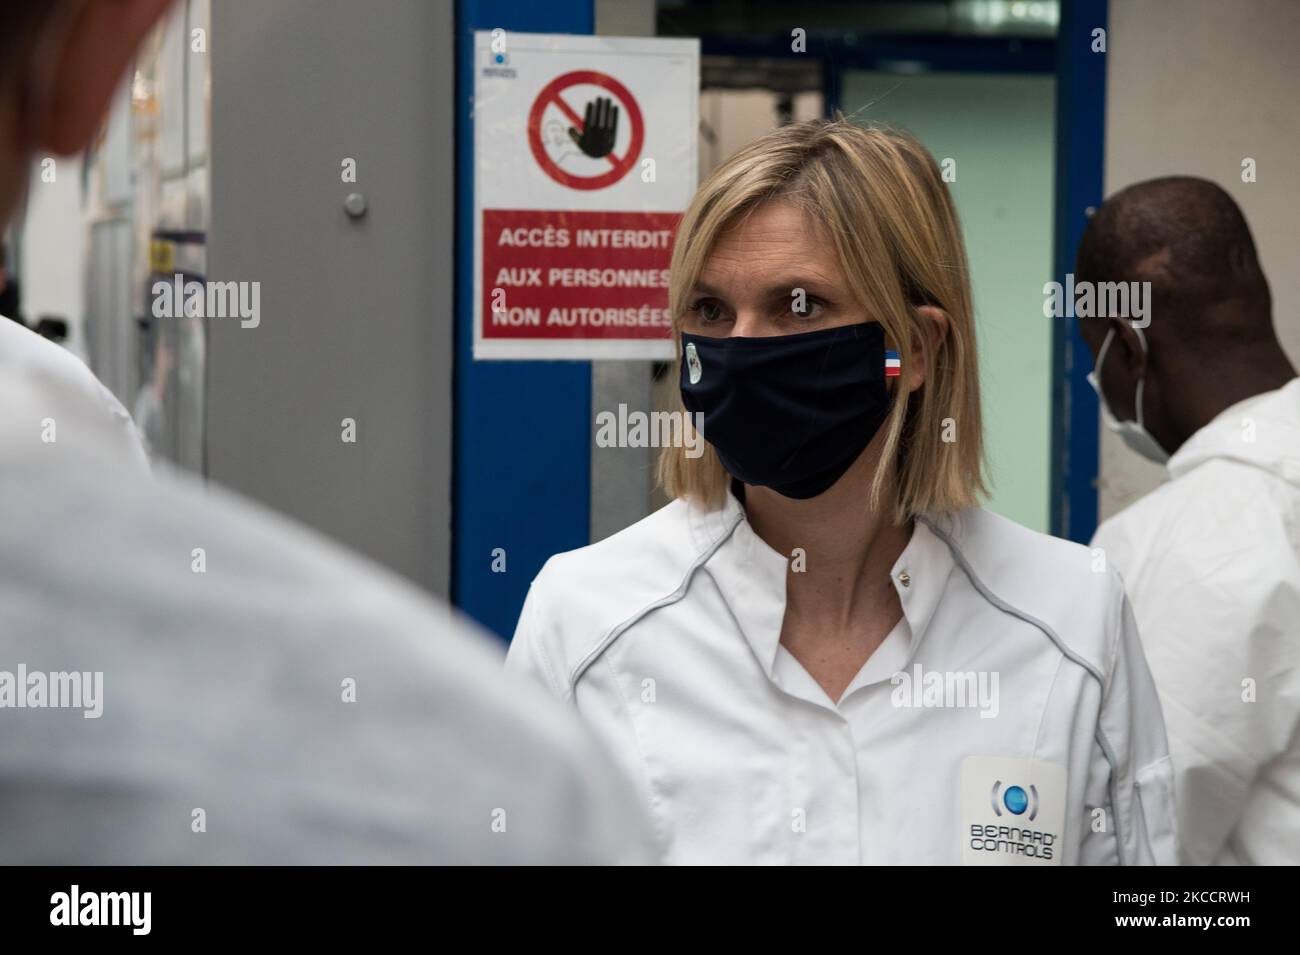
x=672 y=598
x=1069 y=654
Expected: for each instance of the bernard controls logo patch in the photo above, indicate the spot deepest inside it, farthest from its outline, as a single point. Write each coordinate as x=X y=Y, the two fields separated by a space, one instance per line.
x=1013 y=811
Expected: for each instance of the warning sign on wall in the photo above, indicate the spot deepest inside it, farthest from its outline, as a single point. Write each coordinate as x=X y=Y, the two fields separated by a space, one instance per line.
x=585 y=158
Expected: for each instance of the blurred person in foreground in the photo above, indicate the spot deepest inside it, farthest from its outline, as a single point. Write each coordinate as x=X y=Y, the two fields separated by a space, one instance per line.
x=1211 y=558
x=186 y=677
x=24 y=346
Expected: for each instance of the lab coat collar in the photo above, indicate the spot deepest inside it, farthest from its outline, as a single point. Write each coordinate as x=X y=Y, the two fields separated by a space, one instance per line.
x=751 y=577
x=1262 y=431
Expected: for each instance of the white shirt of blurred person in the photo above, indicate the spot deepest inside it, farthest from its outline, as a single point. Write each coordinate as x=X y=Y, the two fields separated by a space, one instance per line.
x=22 y=347
x=188 y=658
x=1211 y=559
x=821 y=651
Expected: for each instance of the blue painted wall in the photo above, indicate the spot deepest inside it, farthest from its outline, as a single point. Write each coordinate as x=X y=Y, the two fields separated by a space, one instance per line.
x=522 y=441
x=1080 y=165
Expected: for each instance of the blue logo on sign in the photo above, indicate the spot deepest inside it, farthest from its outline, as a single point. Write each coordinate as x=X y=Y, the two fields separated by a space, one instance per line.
x=1015 y=799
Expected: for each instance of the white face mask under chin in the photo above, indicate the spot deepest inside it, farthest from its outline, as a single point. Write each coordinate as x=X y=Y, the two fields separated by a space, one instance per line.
x=1132 y=433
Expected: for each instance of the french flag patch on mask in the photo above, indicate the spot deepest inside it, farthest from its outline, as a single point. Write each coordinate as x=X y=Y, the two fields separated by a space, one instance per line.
x=893 y=365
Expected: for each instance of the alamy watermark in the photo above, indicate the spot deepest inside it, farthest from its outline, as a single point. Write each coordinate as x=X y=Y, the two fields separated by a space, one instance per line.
x=651 y=429
x=946 y=689
x=193 y=299
x=56 y=690
x=1131 y=300
x=128 y=909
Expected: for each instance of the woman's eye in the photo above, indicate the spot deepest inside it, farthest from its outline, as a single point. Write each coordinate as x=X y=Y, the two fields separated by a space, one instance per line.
x=707 y=310
x=805 y=307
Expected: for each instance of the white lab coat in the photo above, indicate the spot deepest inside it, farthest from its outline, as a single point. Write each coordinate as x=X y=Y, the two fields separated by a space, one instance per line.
x=75 y=383
x=666 y=638
x=267 y=697
x=1211 y=561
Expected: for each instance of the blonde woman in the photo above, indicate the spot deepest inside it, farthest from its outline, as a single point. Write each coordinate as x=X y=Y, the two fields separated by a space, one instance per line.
x=823 y=650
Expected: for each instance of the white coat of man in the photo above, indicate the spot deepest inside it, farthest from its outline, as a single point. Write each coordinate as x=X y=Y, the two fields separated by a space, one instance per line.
x=1210 y=559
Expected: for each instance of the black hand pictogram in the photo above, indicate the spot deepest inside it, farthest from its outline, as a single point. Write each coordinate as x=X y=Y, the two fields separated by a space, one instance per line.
x=599 y=128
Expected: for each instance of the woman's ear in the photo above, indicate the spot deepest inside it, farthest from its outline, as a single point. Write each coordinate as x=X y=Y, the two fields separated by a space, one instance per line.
x=933 y=322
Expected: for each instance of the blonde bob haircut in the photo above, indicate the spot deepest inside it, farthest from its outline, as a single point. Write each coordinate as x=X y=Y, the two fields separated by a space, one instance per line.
x=879 y=196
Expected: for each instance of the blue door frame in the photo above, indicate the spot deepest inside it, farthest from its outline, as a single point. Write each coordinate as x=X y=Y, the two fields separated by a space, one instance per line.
x=1080 y=168
x=521 y=483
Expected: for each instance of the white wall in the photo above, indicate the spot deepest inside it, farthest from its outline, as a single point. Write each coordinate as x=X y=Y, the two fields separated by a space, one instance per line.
x=1193 y=87
x=53 y=238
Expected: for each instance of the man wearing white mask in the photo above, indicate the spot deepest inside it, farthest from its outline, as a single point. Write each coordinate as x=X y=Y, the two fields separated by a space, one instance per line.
x=1211 y=559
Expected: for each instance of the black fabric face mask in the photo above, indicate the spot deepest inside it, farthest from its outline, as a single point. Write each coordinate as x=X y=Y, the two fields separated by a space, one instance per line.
x=790 y=412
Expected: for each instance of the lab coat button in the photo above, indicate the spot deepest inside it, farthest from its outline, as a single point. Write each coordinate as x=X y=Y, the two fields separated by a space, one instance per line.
x=905 y=578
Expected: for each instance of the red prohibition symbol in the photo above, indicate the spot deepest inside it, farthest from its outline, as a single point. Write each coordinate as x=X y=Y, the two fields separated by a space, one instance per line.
x=550 y=94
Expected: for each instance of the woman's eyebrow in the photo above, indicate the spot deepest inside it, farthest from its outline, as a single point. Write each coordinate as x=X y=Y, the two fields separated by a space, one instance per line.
x=786 y=287
x=704 y=288
x=783 y=288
